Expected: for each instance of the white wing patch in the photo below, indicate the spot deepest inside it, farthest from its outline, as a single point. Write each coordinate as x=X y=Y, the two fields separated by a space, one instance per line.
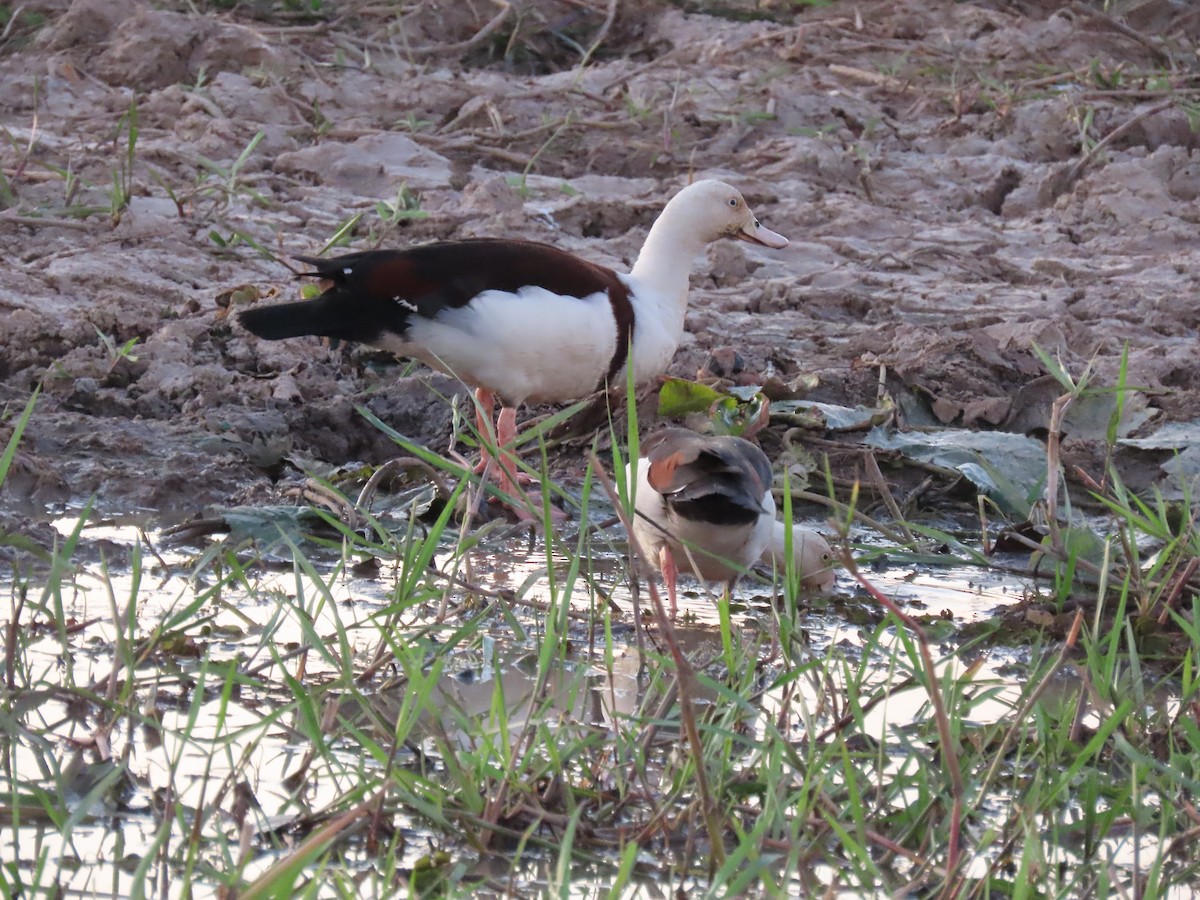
x=530 y=345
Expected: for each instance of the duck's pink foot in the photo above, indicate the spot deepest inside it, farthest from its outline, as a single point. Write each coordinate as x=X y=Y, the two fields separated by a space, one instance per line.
x=532 y=510
x=523 y=504
x=508 y=475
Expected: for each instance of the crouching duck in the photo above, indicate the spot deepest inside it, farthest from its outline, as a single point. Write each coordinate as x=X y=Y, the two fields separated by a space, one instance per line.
x=812 y=557
x=704 y=507
x=518 y=320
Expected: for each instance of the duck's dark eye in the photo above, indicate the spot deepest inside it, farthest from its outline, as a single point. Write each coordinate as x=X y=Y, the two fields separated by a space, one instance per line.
x=733 y=201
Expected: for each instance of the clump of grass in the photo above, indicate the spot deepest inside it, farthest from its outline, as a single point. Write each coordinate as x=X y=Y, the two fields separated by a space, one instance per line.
x=221 y=184
x=405 y=208
x=121 y=191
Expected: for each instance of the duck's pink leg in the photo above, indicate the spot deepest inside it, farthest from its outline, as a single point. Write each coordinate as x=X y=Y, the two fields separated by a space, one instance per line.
x=511 y=476
x=506 y=442
x=508 y=477
x=505 y=434
x=485 y=408
x=670 y=574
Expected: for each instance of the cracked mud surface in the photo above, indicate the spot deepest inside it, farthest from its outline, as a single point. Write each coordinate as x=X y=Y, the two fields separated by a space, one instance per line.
x=935 y=166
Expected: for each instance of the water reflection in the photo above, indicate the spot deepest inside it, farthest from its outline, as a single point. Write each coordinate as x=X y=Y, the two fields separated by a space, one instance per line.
x=199 y=739
x=508 y=691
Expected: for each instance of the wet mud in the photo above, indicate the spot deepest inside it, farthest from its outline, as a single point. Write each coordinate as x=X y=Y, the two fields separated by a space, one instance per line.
x=960 y=182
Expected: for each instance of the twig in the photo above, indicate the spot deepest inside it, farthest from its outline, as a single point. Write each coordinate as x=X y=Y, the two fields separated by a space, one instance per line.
x=1065 y=181
x=796 y=31
x=986 y=541
x=462 y=46
x=609 y=18
x=13 y=18
x=1121 y=28
x=318 y=494
x=886 y=493
x=1177 y=589
x=890 y=533
x=876 y=78
x=1053 y=468
x=292 y=30
x=367 y=494
x=1055 y=552
x=849 y=718
x=46 y=222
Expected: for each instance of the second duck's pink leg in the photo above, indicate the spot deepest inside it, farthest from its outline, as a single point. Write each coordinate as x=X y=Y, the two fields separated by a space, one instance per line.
x=506 y=442
x=670 y=573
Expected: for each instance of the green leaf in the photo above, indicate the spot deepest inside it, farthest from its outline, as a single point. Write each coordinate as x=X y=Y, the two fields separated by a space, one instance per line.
x=1010 y=468
x=819 y=416
x=10 y=451
x=679 y=397
x=1082 y=542
x=267 y=523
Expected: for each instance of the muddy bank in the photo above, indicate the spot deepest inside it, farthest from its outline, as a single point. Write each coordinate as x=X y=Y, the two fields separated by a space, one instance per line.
x=959 y=181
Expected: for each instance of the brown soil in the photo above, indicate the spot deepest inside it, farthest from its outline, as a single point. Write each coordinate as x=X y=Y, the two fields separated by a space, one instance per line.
x=932 y=162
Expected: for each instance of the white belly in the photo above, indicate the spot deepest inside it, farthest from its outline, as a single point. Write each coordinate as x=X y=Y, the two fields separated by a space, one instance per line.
x=532 y=345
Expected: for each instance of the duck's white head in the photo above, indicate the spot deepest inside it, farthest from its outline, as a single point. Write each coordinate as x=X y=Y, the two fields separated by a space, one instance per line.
x=716 y=210
x=812 y=555
x=701 y=213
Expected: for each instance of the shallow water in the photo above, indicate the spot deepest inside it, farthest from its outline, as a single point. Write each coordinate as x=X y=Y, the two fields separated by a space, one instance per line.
x=216 y=729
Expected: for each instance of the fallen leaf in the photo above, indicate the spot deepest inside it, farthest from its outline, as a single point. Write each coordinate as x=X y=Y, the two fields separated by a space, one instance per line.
x=1009 y=468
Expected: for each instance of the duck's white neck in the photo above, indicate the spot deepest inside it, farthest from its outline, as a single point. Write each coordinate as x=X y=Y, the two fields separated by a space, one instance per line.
x=667 y=258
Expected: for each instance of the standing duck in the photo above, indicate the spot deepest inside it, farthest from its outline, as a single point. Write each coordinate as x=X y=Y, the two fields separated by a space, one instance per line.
x=518 y=320
x=704 y=507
